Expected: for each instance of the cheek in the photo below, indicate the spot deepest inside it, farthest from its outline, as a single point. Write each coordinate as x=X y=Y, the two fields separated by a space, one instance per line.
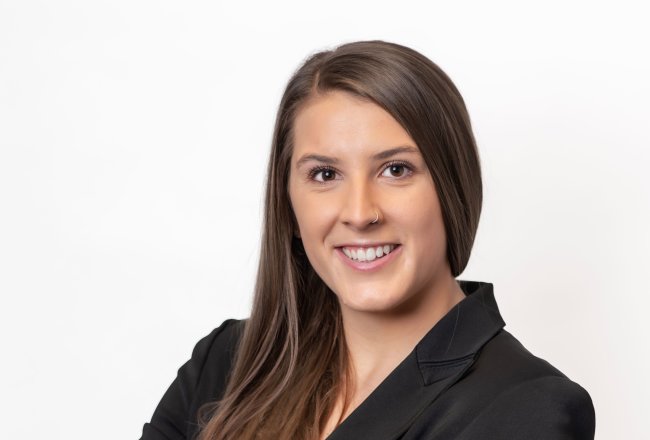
x=425 y=225
x=312 y=216
x=430 y=223
x=313 y=226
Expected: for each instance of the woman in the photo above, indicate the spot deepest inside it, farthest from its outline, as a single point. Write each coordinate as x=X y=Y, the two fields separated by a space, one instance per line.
x=359 y=329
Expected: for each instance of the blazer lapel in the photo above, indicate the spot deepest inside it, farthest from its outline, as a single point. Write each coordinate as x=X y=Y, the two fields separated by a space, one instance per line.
x=437 y=362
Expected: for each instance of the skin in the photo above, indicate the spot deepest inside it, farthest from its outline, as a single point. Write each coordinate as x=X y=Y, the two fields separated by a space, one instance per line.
x=385 y=312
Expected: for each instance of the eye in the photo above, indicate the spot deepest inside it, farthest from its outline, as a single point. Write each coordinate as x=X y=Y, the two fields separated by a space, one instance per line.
x=322 y=174
x=397 y=169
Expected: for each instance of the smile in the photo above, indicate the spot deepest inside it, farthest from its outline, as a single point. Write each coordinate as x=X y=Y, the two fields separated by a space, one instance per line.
x=368 y=259
x=367 y=254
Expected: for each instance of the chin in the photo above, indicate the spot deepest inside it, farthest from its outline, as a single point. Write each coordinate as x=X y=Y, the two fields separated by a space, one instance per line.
x=372 y=302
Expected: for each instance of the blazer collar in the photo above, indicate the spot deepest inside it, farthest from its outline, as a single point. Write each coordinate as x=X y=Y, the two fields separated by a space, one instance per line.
x=437 y=362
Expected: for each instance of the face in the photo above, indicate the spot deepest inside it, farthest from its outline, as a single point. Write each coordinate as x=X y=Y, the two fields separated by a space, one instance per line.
x=352 y=161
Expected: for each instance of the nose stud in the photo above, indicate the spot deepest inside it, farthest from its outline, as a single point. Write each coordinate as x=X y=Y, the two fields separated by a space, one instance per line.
x=376 y=218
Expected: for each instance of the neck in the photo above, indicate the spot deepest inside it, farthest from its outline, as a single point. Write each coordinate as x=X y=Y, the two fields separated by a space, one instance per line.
x=378 y=342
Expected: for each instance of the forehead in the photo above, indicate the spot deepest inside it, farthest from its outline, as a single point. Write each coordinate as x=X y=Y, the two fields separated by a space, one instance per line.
x=340 y=124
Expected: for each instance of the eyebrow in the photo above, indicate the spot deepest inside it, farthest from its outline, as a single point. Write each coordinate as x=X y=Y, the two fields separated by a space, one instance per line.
x=379 y=156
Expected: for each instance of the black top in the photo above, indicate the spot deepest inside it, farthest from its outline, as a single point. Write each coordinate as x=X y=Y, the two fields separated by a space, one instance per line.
x=466 y=379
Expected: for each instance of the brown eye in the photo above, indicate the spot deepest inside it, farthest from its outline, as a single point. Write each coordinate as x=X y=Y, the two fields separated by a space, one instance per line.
x=327 y=174
x=322 y=174
x=397 y=170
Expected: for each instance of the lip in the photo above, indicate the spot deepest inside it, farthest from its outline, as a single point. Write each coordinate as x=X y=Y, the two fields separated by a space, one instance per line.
x=365 y=244
x=369 y=266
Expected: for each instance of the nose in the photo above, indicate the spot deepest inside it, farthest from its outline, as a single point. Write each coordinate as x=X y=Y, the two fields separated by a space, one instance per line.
x=359 y=209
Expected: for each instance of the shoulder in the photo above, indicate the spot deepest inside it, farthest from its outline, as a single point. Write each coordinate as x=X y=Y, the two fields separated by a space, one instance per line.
x=219 y=346
x=202 y=379
x=506 y=360
x=212 y=360
x=212 y=355
x=526 y=396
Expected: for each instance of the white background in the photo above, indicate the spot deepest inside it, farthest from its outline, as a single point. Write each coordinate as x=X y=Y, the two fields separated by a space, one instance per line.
x=133 y=143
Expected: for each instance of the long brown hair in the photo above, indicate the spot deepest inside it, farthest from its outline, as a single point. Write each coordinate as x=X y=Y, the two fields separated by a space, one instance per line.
x=292 y=361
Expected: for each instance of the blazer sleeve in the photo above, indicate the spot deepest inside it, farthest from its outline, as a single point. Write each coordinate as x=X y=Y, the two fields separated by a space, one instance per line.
x=173 y=417
x=546 y=408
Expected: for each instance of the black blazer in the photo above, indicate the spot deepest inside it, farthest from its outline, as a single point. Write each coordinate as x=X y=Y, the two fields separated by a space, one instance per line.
x=466 y=379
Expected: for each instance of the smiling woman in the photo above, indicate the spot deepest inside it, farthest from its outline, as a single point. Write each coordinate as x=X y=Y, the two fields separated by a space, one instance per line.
x=359 y=327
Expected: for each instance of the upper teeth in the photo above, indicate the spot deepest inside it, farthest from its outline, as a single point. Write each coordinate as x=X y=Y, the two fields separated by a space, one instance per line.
x=368 y=254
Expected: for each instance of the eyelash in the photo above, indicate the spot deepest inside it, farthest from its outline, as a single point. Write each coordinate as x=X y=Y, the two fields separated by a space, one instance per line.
x=318 y=169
